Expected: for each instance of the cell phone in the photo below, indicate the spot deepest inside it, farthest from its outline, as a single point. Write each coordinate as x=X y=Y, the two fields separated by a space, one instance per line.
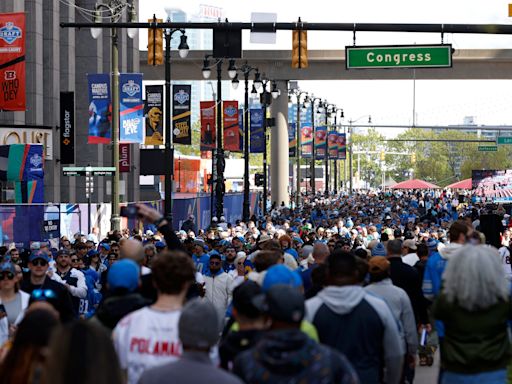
x=130 y=211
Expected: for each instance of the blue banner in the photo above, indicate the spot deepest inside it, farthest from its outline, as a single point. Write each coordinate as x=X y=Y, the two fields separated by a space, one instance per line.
x=241 y=128
x=320 y=142
x=305 y=113
x=292 y=139
x=257 y=134
x=131 y=112
x=99 y=108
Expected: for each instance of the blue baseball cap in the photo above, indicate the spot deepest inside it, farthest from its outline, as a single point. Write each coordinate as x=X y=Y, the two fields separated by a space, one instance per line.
x=38 y=255
x=160 y=244
x=123 y=274
x=280 y=274
x=8 y=267
x=105 y=246
x=92 y=253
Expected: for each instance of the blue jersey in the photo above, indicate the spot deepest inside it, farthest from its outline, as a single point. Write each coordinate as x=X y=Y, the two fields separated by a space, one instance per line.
x=432 y=281
x=202 y=263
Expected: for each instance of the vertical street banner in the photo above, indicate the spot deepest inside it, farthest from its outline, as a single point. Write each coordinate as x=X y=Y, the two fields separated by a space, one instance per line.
x=292 y=139
x=241 y=129
x=153 y=114
x=208 y=133
x=12 y=62
x=67 y=127
x=332 y=144
x=131 y=109
x=230 y=123
x=181 y=132
x=342 y=146
x=99 y=108
x=124 y=158
x=320 y=142
x=257 y=134
x=306 y=140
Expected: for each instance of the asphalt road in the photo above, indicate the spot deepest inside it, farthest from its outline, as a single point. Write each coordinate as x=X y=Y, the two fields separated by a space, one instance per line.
x=427 y=375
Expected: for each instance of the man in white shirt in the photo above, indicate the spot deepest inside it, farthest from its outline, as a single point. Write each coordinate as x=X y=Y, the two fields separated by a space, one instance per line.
x=149 y=336
x=219 y=287
x=73 y=279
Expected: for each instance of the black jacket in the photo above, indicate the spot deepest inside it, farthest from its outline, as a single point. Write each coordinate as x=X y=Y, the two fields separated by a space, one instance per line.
x=236 y=343
x=189 y=225
x=114 y=308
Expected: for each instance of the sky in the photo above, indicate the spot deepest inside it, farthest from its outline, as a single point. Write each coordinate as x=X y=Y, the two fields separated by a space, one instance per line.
x=388 y=102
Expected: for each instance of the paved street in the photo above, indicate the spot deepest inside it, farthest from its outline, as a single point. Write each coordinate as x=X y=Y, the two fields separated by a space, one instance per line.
x=428 y=375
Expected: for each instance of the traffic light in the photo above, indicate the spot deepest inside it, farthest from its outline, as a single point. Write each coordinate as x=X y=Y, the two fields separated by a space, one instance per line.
x=382 y=155
x=258 y=179
x=413 y=158
x=300 y=49
x=155 y=44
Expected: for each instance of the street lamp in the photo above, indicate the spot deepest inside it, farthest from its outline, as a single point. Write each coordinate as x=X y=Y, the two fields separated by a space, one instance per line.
x=115 y=9
x=169 y=147
x=312 y=170
x=298 y=93
x=220 y=160
x=246 y=69
x=334 y=111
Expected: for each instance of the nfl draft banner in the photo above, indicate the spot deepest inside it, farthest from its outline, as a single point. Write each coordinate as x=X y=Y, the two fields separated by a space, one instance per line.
x=67 y=127
x=12 y=62
x=257 y=138
x=181 y=131
x=332 y=143
x=342 y=146
x=307 y=140
x=208 y=134
x=99 y=108
x=131 y=112
x=153 y=113
x=230 y=123
x=292 y=139
x=320 y=142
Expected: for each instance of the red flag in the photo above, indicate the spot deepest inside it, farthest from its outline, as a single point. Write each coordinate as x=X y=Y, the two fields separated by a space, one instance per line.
x=231 y=128
x=208 y=132
x=12 y=61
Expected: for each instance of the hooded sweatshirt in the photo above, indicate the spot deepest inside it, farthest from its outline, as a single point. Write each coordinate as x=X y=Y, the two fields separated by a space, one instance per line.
x=362 y=327
x=290 y=356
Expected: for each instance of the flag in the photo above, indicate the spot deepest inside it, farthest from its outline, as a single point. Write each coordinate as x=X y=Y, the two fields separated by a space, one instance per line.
x=208 y=132
x=342 y=146
x=307 y=140
x=153 y=114
x=241 y=117
x=257 y=134
x=292 y=139
x=99 y=108
x=182 y=134
x=332 y=143
x=131 y=111
x=230 y=124
x=320 y=142
x=12 y=61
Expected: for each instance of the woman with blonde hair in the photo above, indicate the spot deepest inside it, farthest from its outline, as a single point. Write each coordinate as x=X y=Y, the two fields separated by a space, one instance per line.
x=474 y=306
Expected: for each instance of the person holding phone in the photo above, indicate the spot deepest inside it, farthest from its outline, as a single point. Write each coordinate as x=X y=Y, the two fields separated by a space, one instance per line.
x=13 y=302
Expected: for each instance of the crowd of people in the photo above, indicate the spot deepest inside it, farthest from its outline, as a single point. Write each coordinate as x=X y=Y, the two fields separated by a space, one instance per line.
x=344 y=289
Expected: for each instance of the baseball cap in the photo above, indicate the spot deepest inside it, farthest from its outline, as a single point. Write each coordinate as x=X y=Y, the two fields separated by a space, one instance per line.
x=242 y=299
x=123 y=274
x=8 y=267
x=432 y=243
x=105 y=246
x=38 y=255
x=62 y=252
x=196 y=312
x=263 y=238
x=160 y=245
x=280 y=274
x=282 y=302
x=36 y=245
x=411 y=244
x=378 y=264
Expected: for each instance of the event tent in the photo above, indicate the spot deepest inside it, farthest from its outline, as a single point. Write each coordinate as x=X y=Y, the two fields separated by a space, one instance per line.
x=414 y=184
x=462 y=184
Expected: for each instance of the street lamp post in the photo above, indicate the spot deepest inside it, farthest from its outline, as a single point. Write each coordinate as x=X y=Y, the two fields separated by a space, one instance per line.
x=169 y=148
x=246 y=70
x=326 y=153
x=221 y=161
x=298 y=93
x=115 y=8
x=312 y=170
x=335 y=161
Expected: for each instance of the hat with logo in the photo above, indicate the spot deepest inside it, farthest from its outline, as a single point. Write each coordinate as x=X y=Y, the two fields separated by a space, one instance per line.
x=123 y=274
x=282 y=302
x=39 y=255
x=196 y=312
x=411 y=244
x=379 y=250
x=378 y=264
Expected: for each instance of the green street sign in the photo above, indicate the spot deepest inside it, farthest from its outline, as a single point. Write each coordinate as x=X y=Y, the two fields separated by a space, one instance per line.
x=399 y=56
x=504 y=140
x=488 y=148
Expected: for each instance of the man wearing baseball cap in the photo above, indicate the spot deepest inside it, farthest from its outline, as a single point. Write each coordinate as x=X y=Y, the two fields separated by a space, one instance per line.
x=409 y=252
x=42 y=288
x=73 y=279
x=285 y=352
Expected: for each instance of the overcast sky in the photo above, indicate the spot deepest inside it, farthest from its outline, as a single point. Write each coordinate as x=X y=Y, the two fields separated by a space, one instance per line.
x=388 y=102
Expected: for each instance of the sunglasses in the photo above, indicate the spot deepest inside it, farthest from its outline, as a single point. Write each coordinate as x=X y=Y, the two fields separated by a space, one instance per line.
x=43 y=294
x=7 y=275
x=39 y=262
x=214 y=262
x=74 y=260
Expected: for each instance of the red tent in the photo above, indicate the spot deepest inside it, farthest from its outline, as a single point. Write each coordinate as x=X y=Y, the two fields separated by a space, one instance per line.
x=463 y=184
x=414 y=184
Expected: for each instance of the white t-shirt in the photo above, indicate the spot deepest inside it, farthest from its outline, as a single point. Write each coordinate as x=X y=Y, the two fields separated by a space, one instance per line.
x=505 y=260
x=147 y=338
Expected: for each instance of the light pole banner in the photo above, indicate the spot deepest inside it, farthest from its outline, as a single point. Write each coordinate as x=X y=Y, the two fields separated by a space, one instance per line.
x=153 y=113
x=181 y=132
x=320 y=142
x=131 y=111
x=67 y=127
x=230 y=123
x=307 y=140
x=342 y=146
x=257 y=134
x=292 y=139
x=99 y=108
x=332 y=143
x=241 y=129
x=12 y=62
x=208 y=133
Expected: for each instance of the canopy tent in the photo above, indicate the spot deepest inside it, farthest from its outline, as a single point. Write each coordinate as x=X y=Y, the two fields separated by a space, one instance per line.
x=414 y=184
x=462 y=184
